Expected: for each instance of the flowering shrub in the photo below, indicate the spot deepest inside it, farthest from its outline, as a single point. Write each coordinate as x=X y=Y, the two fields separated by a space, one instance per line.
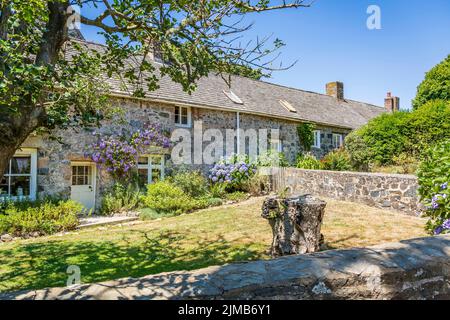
x=119 y=154
x=434 y=188
x=272 y=159
x=232 y=172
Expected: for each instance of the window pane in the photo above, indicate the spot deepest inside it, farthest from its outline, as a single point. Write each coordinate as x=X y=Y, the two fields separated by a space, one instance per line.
x=79 y=181
x=21 y=165
x=20 y=186
x=184 y=112
x=184 y=120
x=143 y=177
x=81 y=175
x=177 y=114
x=156 y=175
x=4 y=187
x=156 y=160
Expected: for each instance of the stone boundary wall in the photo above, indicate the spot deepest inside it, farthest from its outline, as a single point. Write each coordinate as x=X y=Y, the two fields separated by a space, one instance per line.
x=386 y=191
x=410 y=269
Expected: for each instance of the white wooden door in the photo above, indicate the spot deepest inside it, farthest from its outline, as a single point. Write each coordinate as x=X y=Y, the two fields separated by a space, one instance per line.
x=83 y=185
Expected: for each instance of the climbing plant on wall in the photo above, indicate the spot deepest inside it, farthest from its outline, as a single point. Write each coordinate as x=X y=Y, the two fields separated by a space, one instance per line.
x=306 y=135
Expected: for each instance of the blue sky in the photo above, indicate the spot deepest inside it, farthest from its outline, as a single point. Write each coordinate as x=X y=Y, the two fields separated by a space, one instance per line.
x=330 y=41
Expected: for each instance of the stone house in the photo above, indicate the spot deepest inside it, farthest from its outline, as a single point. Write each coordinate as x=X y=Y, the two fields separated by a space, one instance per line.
x=47 y=167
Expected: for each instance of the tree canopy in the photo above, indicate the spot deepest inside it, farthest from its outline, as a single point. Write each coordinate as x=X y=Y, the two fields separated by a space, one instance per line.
x=40 y=89
x=435 y=86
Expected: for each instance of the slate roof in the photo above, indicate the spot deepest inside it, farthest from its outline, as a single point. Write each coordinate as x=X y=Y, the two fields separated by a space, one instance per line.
x=258 y=97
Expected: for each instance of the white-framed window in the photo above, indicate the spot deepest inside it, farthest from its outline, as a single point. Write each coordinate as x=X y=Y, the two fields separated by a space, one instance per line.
x=317 y=142
x=276 y=145
x=150 y=169
x=337 y=140
x=81 y=175
x=182 y=116
x=19 y=180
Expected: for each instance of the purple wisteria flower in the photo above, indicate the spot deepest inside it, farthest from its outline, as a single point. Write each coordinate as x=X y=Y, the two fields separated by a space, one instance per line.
x=119 y=155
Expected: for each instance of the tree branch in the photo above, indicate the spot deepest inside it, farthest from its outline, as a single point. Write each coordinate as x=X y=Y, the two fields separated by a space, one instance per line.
x=254 y=8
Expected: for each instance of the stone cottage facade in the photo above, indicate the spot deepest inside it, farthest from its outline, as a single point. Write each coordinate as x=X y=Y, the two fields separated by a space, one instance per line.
x=47 y=167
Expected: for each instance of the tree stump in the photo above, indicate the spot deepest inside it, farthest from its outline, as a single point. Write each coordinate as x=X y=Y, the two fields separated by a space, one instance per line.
x=296 y=222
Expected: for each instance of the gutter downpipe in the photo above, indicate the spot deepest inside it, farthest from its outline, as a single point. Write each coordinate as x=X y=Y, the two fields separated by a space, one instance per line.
x=238 y=134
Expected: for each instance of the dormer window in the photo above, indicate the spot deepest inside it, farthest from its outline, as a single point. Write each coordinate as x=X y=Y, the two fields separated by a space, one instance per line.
x=182 y=116
x=287 y=106
x=233 y=97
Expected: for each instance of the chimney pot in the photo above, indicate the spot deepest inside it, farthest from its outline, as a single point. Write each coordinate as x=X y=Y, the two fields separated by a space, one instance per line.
x=391 y=103
x=335 y=89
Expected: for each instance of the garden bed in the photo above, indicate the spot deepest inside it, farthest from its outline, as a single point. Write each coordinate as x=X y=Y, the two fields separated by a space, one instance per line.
x=213 y=236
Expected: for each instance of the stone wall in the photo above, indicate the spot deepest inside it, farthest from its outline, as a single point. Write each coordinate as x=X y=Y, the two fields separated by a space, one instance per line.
x=410 y=269
x=54 y=158
x=387 y=191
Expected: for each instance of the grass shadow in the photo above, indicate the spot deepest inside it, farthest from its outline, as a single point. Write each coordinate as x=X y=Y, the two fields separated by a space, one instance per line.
x=41 y=265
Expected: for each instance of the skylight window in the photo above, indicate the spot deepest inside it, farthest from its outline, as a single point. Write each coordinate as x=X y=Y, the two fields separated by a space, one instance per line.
x=287 y=106
x=233 y=97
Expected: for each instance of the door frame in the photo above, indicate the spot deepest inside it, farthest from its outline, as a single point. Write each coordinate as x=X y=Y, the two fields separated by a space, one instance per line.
x=93 y=176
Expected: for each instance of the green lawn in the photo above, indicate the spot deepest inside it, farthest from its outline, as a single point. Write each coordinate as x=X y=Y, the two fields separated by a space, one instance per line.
x=208 y=237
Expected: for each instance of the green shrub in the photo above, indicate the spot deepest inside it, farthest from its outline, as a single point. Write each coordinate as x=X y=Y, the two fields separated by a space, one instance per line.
x=237 y=196
x=120 y=198
x=386 y=136
x=43 y=217
x=308 y=161
x=257 y=185
x=191 y=182
x=407 y=163
x=305 y=132
x=206 y=202
x=390 y=135
x=435 y=86
x=166 y=198
x=217 y=190
x=359 y=152
x=337 y=160
x=426 y=126
x=272 y=159
x=434 y=188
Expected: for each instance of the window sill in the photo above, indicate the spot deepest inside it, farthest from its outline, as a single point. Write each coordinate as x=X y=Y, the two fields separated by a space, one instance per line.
x=183 y=125
x=17 y=198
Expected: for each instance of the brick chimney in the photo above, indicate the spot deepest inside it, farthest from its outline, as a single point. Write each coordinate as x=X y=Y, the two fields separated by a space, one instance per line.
x=336 y=90
x=392 y=104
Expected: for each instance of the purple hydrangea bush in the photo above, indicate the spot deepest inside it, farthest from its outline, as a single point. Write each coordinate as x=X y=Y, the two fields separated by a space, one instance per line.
x=232 y=172
x=119 y=155
x=434 y=188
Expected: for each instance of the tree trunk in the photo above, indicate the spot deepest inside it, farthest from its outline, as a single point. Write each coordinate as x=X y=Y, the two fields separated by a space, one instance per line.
x=15 y=129
x=296 y=224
